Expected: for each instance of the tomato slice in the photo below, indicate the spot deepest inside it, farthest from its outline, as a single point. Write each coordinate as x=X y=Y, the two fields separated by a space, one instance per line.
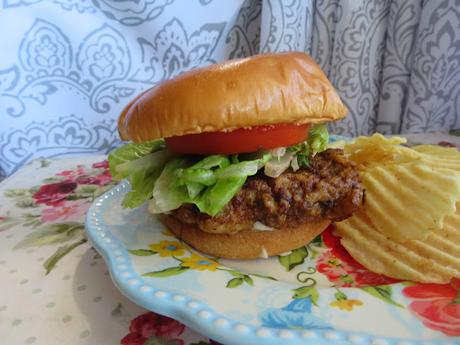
x=240 y=140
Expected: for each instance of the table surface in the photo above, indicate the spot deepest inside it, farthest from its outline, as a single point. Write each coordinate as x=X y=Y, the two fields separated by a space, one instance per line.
x=56 y=287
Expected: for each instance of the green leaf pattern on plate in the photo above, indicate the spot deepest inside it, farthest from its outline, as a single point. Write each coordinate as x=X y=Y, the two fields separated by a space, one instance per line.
x=167 y=272
x=294 y=258
x=382 y=292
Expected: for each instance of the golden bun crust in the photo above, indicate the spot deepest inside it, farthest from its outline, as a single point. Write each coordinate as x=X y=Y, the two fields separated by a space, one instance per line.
x=260 y=90
x=248 y=244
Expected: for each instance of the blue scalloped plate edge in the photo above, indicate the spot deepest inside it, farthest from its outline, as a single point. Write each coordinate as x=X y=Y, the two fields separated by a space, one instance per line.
x=198 y=315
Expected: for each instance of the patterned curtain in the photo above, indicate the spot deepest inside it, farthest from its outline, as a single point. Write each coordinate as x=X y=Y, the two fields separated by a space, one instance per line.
x=67 y=67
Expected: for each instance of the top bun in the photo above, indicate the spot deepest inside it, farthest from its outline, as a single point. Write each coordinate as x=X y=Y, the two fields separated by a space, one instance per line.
x=259 y=90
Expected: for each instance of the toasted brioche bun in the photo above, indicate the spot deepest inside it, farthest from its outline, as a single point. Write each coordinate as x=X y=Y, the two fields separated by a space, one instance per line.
x=246 y=244
x=260 y=90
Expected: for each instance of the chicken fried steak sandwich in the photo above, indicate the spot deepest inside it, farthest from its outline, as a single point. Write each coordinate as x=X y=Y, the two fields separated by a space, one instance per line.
x=233 y=156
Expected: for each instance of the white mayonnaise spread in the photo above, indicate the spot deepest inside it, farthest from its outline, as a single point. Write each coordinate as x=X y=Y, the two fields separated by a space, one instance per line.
x=263 y=253
x=262 y=227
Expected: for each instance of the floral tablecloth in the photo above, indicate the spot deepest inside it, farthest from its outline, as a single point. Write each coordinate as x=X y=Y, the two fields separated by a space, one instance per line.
x=56 y=288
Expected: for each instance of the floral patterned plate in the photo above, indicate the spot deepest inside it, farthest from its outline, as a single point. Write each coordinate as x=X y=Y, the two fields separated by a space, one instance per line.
x=316 y=294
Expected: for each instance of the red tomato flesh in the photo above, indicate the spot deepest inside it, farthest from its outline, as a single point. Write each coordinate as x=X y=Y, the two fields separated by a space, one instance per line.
x=240 y=140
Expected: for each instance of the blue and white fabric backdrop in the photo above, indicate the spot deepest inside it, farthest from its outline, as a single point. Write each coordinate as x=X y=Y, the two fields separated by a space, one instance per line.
x=67 y=67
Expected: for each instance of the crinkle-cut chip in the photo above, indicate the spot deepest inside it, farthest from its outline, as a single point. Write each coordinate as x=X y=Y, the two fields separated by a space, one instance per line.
x=433 y=260
x=446 y=157
x=436 y=150
x=408 y=201
x=377 y=149
x=377 y=139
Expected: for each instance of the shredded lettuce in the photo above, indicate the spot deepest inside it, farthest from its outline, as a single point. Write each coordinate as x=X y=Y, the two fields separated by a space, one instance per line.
x=141 y=189
x=317 y=141
x=318 y=138
x=209 y=182
x=206 y=177
x=141 y=164
x=213 y=161
x=144 y=173
x=167 y=194
x=299 y=155
x=200 y=175
x=277 y=165
x=216 y=197
x=242 y=169
x=131 y=152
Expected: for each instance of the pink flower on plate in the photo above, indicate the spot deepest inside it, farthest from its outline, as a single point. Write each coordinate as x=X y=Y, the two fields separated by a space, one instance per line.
x=99 y=180
x=103 y=178
x=150 y=325
x=54 y=194
x=101 y=165
x=437 y=305
x=344 y=271
x=71 y=175
x=69 y=211
x=100 y=175
x=133 y=339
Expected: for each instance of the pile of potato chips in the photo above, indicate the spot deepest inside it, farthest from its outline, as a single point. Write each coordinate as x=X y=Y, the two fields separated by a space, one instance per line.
x=409 y=226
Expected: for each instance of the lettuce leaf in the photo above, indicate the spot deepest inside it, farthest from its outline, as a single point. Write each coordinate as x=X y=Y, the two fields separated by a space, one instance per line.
x=216 y=197
x=141 y=164
x=318 y=138
x=167 y=194
x=213 y=161
x=142 y=174
x=209 y=183
x=229 y=181
x=131 y=152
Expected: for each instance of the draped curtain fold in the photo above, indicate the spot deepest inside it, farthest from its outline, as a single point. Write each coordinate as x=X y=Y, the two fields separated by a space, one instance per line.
x=395 y=63
x=68 y=66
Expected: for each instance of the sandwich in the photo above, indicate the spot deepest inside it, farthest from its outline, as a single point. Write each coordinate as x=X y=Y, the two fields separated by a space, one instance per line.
x=233 y=157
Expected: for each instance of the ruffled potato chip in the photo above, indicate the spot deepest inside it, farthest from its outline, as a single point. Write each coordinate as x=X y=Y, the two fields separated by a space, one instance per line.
x=437 y=156
x=408 y=201
x=379 y=150
x=376 y=149
x=408 y=190
x=409 y=226
x=433 y=260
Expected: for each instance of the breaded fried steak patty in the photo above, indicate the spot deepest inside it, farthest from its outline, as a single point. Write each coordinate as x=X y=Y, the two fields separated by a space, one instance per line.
x=328 y=189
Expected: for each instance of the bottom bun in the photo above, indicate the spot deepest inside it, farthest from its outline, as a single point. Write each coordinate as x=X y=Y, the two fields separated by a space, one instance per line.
x=246 y=244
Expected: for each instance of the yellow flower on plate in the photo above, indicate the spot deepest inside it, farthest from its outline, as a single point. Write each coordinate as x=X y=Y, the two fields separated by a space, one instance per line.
x=346 y=304
x=168 y=248
x=197 y=262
